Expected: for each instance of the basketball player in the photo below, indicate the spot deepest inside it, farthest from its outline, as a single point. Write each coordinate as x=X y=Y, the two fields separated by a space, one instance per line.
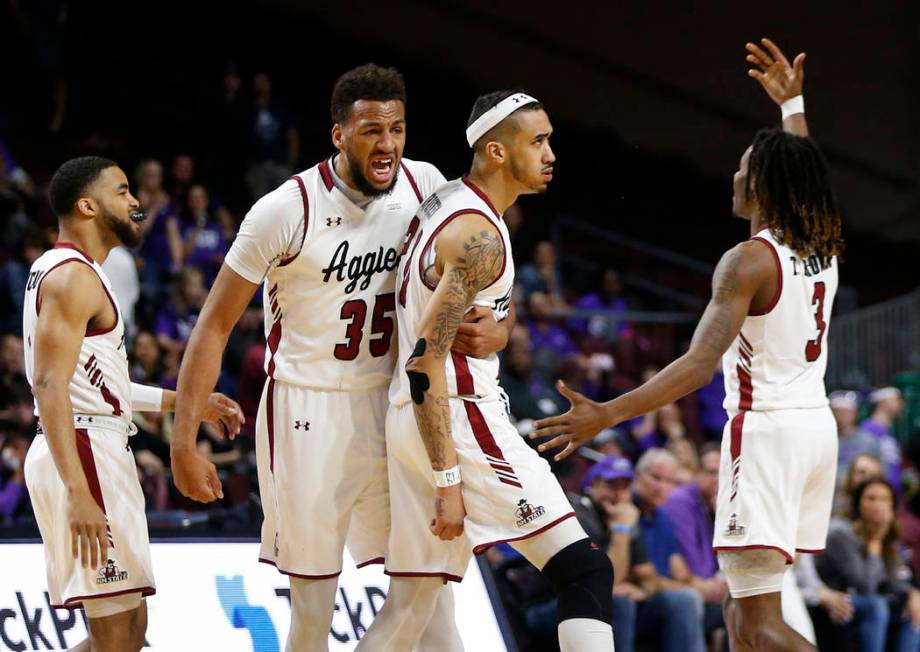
x=768 y=320
x=79 y=470
x=326 y=243
x=461 y=478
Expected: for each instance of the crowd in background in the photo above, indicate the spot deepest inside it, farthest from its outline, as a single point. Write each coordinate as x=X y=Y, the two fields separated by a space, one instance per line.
x=644 y=490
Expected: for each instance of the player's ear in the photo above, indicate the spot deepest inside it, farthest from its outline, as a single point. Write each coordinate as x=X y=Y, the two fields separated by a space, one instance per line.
x=495 y=151
x=338 y=138
x=86 y=207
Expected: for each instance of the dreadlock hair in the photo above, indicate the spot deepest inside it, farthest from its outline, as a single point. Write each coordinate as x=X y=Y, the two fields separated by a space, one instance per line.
x=789 y=179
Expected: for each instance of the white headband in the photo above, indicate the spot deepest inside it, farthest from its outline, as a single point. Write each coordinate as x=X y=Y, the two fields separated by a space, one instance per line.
x=495 y=115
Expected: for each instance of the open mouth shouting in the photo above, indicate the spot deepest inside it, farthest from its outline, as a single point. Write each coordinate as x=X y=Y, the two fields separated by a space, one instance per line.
x=382 y=169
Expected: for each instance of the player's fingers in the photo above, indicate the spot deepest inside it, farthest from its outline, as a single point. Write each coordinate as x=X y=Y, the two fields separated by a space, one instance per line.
x=476 y=313
x=214 y=481
x=549 y=426
x=798 y=65
x=555 y=442
x=755 y=61
x=571 y=394
x=568 y=450
x=759 y=76
x=84 y=547
x=94 y=546
x=775 y=51
x=761 y=56
x=103 y=545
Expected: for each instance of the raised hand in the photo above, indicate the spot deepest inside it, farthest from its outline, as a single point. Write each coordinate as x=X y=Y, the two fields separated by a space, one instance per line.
x=584 y=419
x=772 y=69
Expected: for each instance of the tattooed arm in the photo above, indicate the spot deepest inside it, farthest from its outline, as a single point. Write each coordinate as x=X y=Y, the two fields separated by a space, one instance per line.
x=745 y=277
x=469 y=255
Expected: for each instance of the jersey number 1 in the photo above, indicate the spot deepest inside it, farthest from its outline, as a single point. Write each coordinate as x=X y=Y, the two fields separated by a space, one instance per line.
x=813 y=347
x=356 y=311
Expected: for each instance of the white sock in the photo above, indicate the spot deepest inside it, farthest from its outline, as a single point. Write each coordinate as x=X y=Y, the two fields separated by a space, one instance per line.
x=312 y=604
x=585 y=635
x=441 y=633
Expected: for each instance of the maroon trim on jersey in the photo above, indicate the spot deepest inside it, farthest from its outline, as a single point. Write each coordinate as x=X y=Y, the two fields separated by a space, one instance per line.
x=779 y=280
x=482 y=547
x=483 y=196
x=375 y=560
x=447 y=577
x=737 y=428
x=744 y=354
x=270 y=422
x=785 y=554
x=306 y=220
x=326 y=175
x=299 y=575
x=820 y=551
x=88 y=462
x=745 y=389
x=77 y=601
x=450 y=218
x=411 y=181
x=489 y=446
x=744 y=341
x=465 y=385
x=274 y=335
x=69 y=245
x=90 y=332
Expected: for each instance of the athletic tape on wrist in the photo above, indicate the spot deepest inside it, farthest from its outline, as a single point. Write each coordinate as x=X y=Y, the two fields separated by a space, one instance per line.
x=447 y=477
x=792 y=106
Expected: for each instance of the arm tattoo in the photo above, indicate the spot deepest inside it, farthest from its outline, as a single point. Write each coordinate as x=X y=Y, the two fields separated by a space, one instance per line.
x=478 y=266
x=715 y=328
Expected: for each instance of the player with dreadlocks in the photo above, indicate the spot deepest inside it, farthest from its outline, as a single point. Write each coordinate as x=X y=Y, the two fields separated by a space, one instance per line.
x=767 y=321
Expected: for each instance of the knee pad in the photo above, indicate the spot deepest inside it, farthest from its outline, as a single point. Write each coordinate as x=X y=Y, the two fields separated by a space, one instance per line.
x=582 y=577
x=753 y=572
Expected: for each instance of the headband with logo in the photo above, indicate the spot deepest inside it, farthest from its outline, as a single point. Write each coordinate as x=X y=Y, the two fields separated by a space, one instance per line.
x=496 y=114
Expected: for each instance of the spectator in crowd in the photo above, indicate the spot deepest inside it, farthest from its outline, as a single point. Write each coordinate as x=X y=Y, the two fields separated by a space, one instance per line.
x=182 y=177
x=646 y=605
x=160 y=249
x=550 y=343
x=542 y=275
x=175 y=321
x=121 y=269
x=12 y=363
x=609 y=326
x=146 y=366
x=252 y=380
x=149 y=191
x=863 y=559
x=688 y=460
x=204 y=242
x=229 y=122
x=887 y=407
x=273 y=137
x=529 y=399
x=710 y=410
x=14 y=272
x=861 y=468
x=851 y=441
x=665 y=424
x=691 y=508
x=13 y=495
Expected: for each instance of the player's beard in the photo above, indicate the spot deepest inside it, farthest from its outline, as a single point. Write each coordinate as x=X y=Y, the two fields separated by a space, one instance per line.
x=124 y=231
x=520 y=175
x=357 y=176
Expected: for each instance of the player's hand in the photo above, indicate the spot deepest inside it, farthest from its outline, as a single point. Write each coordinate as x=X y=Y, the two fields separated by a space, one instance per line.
x=838 y=605
x=449 y=513
x=479 y=334
x=781 y=80
x=195 y=476
x=226 y=413
x=584 y=419
x=89 y=539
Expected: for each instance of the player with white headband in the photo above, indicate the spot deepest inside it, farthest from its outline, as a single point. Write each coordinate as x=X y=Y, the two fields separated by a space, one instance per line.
x=461 y=477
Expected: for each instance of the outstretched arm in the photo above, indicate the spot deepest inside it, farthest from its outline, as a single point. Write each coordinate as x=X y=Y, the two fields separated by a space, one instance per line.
x=742 y=272
x=781 y=80
x=469 y=257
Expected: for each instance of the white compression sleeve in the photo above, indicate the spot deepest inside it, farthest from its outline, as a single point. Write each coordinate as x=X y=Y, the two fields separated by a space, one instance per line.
x=145 y=398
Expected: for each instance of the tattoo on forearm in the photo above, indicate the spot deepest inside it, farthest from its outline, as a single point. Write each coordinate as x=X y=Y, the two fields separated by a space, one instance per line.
x=433 y=418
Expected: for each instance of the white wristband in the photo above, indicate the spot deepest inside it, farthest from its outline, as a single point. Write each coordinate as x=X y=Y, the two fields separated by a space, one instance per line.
x=145 y=398
x=792 y=106
x=447 y=477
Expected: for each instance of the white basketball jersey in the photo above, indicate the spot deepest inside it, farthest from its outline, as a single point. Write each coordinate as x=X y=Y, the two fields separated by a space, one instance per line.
x=100 y=384
x=467 y=377
x=777 y=362
x=330 y=305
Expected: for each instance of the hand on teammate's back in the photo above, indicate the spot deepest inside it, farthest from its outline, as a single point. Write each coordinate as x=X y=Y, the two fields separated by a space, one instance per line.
x=778 y=77
x=580 y=424
x=449 y=513
x=479 y=334
x=89 y=540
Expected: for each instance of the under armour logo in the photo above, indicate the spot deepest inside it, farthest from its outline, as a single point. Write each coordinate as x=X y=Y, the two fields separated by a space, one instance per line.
x=84 y=419
x=302 y=424
x=333 y=221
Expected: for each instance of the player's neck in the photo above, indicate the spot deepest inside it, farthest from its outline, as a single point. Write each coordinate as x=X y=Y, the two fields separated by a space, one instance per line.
x=501 y=191
x=89 y=242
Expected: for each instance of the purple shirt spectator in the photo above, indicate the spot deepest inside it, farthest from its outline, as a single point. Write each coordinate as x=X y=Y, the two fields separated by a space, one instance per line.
x=175 y=326
x=11 y=496
x=711 y=413
x=889 y=450
x=693 y=527
x=600 y=325
x=209 y=249
x=552 y=337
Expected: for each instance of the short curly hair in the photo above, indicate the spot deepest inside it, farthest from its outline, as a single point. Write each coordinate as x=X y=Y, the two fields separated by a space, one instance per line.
x=367 y=82
x=72 y=179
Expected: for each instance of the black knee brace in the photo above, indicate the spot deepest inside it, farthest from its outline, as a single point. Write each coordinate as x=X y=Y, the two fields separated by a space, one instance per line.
x=582 y=577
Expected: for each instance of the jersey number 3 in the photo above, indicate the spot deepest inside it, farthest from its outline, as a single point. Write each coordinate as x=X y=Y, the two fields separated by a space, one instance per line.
x=813 y=347
x=356 y=312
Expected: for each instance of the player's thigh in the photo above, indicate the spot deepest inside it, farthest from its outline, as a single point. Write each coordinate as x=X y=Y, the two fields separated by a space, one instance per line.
x=820 y=431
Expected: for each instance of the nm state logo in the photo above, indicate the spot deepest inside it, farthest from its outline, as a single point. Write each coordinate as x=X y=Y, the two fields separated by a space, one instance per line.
x=733 y=529
x=110 y=573
x=526 y=512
